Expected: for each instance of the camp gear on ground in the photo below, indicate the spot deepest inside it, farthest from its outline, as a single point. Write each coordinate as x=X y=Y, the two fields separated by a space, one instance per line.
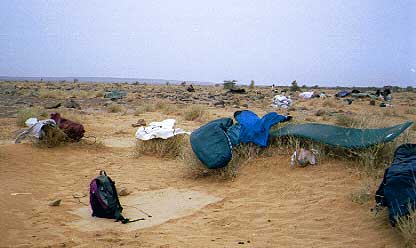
x=237 y=91
x=280 y=101
x=342 y=93
x=341 y=136
x=397 y=190
x=36 y=130
x=163 y=130
x=303 y=157
x=306 y=95
x=211 y=143
x=104 y=199
x=74 y=130
x=115 y=94
x=256 y=130
x=31 y=121
x=190 y=88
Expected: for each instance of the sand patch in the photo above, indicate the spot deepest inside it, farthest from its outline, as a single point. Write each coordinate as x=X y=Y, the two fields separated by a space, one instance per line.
x=163 y=205
x=119 y=142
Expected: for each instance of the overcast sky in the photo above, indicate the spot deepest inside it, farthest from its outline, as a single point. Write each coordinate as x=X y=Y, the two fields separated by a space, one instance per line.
x=325 y=42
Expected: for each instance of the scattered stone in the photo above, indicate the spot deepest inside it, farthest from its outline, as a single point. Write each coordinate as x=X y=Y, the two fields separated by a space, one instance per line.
x=372 y=102
x=320 y=112
x=72 y=104
x=220 y=104
x=53 y=105
x=79 y=195
x=241 y=243
x=245 y=105
x=123 y=192
x=139 y=123
x=348 y=101
x=55 y=203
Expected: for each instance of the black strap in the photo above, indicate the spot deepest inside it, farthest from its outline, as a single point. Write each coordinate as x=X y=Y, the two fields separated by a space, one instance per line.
x=103 y=173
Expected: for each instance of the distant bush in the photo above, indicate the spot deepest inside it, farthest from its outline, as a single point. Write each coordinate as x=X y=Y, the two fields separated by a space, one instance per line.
x=295 y=87
x=229 y=84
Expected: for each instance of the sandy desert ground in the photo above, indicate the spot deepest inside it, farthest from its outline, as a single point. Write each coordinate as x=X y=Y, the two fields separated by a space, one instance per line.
x=266 y=205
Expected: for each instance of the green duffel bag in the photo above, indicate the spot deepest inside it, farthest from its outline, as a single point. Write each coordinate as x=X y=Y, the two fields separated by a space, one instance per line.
x=211 y=143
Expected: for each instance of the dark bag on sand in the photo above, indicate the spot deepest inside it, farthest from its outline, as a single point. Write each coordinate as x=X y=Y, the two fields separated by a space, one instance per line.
x=104 y=199
x=398 y=188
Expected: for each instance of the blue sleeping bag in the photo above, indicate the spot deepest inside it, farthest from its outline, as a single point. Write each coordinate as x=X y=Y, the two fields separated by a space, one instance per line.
x=398 y=189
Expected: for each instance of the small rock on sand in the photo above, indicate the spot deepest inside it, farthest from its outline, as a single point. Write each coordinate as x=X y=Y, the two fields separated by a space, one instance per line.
x=123 y=192
x=55 y=203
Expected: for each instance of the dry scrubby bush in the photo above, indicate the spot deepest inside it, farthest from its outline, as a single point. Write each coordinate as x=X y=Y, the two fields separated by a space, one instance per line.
x=406 y=225
x=363 y=195
x=410 y=111
x=242 y=154
x=81 y=94
x=56 y=94
x=144 y=108
x=351 y=121
x=195 y=112
x=329 y=103
x=53 y=137
x=165 y=148
x=114 y=108
x=24 y=114
x=372 y=160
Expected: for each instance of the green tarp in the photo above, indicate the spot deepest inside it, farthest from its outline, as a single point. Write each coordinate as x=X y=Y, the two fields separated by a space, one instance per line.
x=115 y=94
x=340 y=136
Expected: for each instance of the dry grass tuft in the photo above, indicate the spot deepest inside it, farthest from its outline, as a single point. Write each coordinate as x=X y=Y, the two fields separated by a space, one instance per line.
x=24 y=114
x=144 y=108
x=99 y=93
x=329 y=103
x=114 y=108
x=164 y=148
x=242 y=154
x=195 y=112
x=54 y=94
x=81 y=94
x=406 y=225
x=53 y=137
x=363 y=195
x=351 y=121
x=410 y=111
x=372 y=160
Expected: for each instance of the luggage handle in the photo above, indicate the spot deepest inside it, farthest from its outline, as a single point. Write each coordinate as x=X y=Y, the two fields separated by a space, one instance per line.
x=102 y=172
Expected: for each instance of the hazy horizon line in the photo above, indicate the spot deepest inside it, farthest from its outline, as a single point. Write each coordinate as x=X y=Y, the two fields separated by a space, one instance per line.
x=178 y=81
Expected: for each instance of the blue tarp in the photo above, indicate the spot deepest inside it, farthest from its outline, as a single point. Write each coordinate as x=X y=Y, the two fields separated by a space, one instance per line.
x=256 y=130
x=398 y=189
